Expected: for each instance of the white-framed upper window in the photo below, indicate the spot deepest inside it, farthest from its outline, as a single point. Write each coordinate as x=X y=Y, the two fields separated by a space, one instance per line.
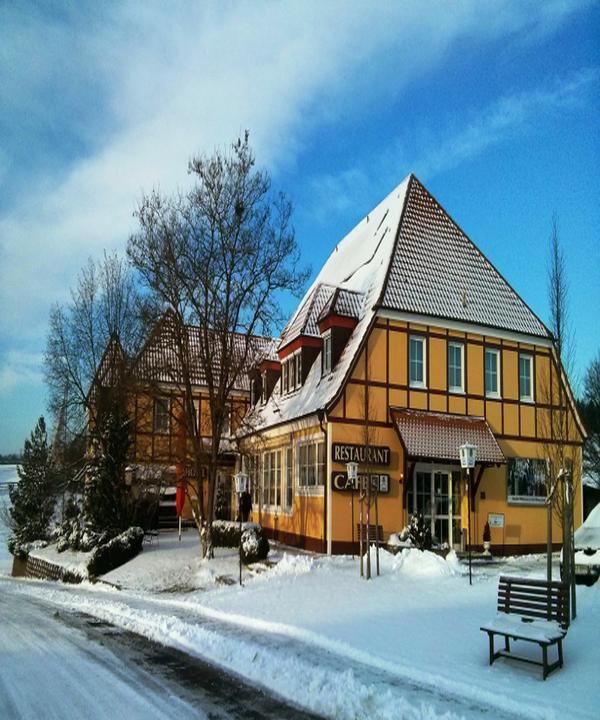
x=327 y=352
x=271 y=478
x=227 y=421
x=416 y=361
x=526 y=377
x=492 y=372
x=291 y=373
x=311 y=464
x=456 y=367
x=162 y=412
x=298 y=356
x=263 y=387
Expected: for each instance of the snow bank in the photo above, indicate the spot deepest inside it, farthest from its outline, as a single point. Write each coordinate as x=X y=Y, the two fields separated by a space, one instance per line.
x=416 y=563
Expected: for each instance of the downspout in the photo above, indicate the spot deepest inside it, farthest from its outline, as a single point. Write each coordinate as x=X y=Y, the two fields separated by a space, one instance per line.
x=327 y=494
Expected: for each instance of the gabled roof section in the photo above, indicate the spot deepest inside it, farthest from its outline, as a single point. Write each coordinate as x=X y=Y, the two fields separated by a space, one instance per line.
x=437 y=271
x=159 y=361
x=304 y=322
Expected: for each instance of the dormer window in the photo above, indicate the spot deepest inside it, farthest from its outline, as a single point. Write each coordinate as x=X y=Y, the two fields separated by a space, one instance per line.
x=298 y=356
x=327 y=352
x=284 y=378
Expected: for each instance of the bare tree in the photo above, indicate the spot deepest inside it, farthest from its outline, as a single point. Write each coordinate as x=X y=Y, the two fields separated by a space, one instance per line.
x=217 y=258
x=589 y=408
x=562 y=478
x=103 y=316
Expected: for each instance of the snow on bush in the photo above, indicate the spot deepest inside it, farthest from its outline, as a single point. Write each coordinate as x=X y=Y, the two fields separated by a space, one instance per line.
x=116 y=552
x=255 y=547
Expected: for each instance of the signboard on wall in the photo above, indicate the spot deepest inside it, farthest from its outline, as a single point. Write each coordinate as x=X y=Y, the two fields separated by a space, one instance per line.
x=379 y=482
x=496 y=520
x=361 y=454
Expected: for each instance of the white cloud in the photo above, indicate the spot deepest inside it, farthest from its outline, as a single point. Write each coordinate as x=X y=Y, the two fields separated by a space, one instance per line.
x=439 y=152
x=17 y=368
x=173 y=79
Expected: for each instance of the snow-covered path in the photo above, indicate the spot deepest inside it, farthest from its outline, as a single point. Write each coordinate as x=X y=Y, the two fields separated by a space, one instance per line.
x=335 y=686
x=49 y=670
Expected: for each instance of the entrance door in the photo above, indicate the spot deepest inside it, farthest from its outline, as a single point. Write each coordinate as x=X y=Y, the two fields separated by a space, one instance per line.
x=436 y=494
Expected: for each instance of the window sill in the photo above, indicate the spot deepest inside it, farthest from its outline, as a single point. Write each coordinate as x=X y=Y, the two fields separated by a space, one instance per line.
x=527 y=401
x=456 y=391
x=311 y=491
x=493 y=396
x=417 y=386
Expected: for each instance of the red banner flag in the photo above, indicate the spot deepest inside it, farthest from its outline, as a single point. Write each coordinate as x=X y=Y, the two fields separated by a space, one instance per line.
x=180 y=497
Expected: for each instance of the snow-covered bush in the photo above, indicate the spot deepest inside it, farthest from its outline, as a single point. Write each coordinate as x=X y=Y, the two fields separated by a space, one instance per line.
x=116 y=552
x=419 y=532
x=255 y=546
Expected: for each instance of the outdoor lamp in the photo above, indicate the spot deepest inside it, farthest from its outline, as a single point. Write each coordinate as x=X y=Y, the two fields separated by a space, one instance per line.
x=467 y=453
x=241 y=482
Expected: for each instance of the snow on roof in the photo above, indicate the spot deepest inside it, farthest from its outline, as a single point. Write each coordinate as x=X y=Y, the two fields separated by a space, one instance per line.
x=357 y=264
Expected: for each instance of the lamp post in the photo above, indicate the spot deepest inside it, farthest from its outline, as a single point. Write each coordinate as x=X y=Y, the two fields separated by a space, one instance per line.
x=352 y=470
x=467 y=454
x=241 y=485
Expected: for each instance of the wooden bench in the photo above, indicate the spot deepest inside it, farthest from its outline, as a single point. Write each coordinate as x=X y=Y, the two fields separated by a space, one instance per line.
x=531 y=610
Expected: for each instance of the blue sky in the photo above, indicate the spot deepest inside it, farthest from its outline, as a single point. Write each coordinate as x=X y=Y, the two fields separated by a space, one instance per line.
x=493 y=105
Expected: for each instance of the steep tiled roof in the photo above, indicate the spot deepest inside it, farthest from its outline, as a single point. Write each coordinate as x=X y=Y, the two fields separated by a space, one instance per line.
x=436 y=270
x=406 y=255
x=159 y=362
x=437 y=436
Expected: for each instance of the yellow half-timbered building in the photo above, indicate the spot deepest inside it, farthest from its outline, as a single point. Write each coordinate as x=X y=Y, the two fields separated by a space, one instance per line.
x=408 y=344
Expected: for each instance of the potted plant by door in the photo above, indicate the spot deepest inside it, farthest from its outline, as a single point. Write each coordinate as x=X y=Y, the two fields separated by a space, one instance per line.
x=487 y=537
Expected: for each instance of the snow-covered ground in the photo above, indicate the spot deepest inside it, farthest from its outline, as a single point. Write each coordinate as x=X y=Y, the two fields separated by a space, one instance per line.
x=404 y=645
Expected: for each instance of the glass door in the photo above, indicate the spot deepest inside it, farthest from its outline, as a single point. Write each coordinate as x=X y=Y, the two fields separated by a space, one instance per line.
x=436 y=495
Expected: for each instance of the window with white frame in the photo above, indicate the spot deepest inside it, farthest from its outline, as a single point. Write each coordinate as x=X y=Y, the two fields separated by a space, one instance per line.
x=284 y=377
x=292 y=373
x=162 y=411
x=416 y=361
x=227 y=421
x=526 y=377
x=253 y=466
x=492 y=372
x=263 y=387
x=298 y=356
x=311 y=464
x=288 y=496
x=456 y=368
x=327 y=352
x=271 y=478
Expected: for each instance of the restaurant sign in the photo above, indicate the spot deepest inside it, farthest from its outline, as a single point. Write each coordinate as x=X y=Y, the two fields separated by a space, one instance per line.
x=379 y=482
x=361 y=454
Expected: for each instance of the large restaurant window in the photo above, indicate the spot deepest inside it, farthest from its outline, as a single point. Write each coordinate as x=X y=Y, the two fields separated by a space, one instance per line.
x=271 y=478
x=311 y=464
x=456 y=367
x=416 y=361
x=492 y=372
x=162 y=408
x=526 y=481
x=526 y=377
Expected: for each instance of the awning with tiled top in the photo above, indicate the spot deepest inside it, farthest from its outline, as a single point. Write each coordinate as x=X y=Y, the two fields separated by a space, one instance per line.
x=437 y=436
